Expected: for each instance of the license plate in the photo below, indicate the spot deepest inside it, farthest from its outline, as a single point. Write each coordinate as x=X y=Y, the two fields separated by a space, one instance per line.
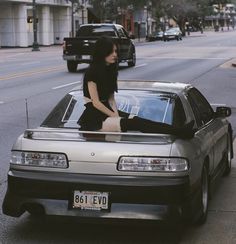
x=90 y=200
x=85 y=56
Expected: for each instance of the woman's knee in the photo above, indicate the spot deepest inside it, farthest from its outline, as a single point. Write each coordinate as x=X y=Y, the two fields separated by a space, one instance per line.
x=111 y=124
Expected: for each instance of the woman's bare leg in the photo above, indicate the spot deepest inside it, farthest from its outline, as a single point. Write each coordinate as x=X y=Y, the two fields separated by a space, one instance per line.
x=111 y=124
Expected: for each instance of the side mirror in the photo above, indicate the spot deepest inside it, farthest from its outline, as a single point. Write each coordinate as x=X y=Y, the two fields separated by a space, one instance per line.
x=132 y=36
x=223 y=111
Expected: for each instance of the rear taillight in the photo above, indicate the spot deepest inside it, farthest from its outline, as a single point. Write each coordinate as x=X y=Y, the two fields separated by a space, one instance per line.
x=64 y=45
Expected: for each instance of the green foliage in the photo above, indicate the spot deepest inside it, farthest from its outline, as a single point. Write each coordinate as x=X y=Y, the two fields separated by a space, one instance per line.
x=219 y=1
x=108 y=9
x=180 y=10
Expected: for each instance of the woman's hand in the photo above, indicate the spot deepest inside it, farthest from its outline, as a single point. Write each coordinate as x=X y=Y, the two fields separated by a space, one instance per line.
x=115 y=115
x=113 y=105
x=92 y=87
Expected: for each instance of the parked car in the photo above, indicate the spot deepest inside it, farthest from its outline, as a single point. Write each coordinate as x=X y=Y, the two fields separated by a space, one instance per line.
x=172 y=34
x=156 y=36
x=79 y=49
x=57 y=169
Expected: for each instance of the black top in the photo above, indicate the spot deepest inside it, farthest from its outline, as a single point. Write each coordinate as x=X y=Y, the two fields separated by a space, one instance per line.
x=105 y=79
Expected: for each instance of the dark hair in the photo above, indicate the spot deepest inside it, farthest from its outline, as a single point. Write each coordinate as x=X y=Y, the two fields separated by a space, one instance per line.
x=103 y=48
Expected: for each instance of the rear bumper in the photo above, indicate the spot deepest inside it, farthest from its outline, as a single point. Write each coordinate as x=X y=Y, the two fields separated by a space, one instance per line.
x=170 y=37
x=144 y=198
x=77 y=58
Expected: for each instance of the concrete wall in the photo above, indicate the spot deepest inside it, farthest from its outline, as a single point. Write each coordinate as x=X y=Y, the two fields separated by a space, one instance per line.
x=61 y=24
x=13 y=29
x=53 y=23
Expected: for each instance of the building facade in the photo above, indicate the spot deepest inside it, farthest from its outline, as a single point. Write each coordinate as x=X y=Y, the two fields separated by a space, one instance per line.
x=224 y=16
x=57 y=19
x=16 y=26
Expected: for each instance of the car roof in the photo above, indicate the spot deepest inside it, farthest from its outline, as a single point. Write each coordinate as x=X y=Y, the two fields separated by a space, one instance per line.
x=102 y=24
x=163 y=86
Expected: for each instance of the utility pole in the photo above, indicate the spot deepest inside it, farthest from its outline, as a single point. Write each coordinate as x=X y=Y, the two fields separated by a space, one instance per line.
x=35 y=43
x=82 y=9
x=72 y=18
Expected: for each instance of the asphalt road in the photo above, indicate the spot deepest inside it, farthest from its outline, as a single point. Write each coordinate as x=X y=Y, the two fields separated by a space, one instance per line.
x=42 y=79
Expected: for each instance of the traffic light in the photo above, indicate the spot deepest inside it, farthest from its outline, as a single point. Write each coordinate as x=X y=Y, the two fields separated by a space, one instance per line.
x=30 y=19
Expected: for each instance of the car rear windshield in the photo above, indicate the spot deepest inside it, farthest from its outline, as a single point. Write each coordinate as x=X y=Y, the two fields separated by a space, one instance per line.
x=160 y=107
x=96 y=31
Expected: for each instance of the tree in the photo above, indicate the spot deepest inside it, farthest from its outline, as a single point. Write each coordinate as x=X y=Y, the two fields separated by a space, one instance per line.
x=182 y=11
x=179 y=11
x=108 y=9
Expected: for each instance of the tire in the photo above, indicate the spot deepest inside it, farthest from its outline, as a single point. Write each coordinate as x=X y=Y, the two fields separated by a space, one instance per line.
x=228 y=157
x=72 y=66
x=133 y=62
x=204 y=197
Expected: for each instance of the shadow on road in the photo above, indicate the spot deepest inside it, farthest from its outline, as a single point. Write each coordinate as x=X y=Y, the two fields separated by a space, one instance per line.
x=69 y=230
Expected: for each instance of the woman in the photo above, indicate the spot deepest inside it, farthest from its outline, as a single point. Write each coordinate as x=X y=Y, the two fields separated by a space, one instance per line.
x=99 y=86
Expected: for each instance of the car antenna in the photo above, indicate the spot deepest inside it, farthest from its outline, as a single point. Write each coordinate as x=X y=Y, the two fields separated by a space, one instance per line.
x=27 y=113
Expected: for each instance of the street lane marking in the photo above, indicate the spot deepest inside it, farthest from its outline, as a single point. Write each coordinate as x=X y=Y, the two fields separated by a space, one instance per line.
x=30 y=63
x=218 y=104
x=1 y=102
x=141 y=65
x=69 y=84
x=30 y=73
x=184 y=58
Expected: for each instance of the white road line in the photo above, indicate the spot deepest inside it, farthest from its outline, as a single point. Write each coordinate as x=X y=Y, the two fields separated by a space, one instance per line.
x=141 y=65
x=29 y=63
x=1 y=102
x=69 y=84
x=218 y=104
x=184 y=58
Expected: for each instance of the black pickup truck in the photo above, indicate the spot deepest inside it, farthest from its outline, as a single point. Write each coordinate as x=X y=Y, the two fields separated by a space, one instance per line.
x=79 y=49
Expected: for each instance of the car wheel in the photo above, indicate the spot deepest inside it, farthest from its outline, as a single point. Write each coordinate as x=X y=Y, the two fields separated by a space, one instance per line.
x=133 y=62
x=204 y=197
x=72 y=66
x=194 y=210
x=228 y=157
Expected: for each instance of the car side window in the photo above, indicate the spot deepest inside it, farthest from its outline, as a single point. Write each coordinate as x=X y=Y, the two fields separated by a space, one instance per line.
x=125 y=32
x=201 y=108
x=179 y=116
x=121 y=33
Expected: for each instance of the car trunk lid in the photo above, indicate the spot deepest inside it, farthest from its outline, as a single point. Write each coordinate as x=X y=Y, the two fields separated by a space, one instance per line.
x=97 y=153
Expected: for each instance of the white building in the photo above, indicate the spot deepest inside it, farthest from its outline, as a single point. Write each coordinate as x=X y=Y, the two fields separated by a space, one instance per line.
x=54 y=22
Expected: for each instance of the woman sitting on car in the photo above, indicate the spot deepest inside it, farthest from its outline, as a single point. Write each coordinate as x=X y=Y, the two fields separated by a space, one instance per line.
x=101 y=113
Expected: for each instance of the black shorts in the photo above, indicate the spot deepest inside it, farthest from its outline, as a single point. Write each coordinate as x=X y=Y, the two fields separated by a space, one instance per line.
x=92 y=118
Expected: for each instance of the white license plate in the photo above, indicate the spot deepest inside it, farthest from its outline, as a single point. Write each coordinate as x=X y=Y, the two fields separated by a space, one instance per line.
x=90 y=200
x=85 y=56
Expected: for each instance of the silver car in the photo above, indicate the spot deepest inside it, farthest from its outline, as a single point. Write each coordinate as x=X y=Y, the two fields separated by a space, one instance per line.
x=172 y=34
x=57 y=169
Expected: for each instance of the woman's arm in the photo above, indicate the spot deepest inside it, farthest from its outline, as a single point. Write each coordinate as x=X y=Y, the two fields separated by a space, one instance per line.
x=113 y=104
x=93 y=92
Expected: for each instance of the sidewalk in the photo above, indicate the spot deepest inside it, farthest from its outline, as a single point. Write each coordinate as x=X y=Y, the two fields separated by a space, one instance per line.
x=14 y=50
x=141 y=40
